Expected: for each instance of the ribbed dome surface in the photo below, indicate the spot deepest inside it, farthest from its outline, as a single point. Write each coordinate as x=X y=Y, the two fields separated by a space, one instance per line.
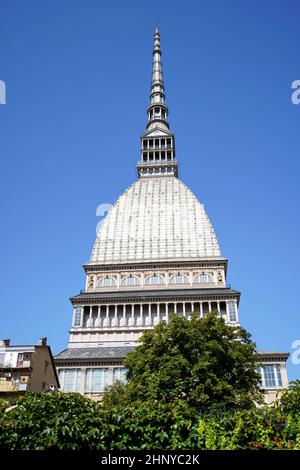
x=155 y=219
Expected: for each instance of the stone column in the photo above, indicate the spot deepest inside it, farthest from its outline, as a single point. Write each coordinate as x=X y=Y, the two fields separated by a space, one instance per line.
x=98 y=315
x=158 y=313
x=90 y=317
x=110 y=375
x=149 y=322
x=201 y=310
x=115 y=319
x=132 y=315
x=141 y=315
x=107 y=315
x=192 y=307
x=124 y=315
x=183 y=309
x=82 y=381
x=167 y=312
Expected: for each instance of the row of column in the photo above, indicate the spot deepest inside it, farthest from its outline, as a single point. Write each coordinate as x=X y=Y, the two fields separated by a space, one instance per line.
x=150 y=314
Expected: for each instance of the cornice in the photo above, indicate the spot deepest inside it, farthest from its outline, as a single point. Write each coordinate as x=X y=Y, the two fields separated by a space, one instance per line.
x=201 y=263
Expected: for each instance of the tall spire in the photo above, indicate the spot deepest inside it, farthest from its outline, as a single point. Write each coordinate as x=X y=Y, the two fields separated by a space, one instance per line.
x=157 y=91
x=158 y=146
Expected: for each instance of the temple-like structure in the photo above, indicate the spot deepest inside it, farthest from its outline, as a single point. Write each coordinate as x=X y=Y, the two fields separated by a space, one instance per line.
x=155 y=254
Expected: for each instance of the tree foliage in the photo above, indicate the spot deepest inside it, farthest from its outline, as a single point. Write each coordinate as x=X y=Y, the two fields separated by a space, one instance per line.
x=202 y=361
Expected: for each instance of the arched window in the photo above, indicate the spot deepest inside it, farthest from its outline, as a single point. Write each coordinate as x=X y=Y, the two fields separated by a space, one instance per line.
x=179 y=279
x=203 y=279
x=154 y=280
x=130 y=281
x=106 y=282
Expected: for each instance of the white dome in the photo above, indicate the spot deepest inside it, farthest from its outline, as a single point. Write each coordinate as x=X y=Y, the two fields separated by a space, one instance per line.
x=155 y=219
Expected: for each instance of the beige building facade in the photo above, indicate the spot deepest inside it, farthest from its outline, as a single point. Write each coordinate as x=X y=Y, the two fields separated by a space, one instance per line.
x=26 y=368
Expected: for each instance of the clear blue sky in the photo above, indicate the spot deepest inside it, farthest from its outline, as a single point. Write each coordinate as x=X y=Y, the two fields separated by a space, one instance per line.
x=78 y=75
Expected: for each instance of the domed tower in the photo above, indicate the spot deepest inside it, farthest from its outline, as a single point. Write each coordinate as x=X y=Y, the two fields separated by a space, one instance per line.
x=155 y=254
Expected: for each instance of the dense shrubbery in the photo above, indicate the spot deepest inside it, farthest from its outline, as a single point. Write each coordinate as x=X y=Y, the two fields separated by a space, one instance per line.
x=191 y=385
x=68 y=421
x=55 y=420
x=259 y=429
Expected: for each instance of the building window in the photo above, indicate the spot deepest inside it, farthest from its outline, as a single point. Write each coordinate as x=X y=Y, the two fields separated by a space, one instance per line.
x=69 y=379
x=154 y=280
x=77 y=316
x=130 y=281
x=120 y=374
x=106 y=282
x=96 y=380
x=232 y=311
x=278 y=373
x=203 y=279
x=269 y=376
x=260 y=382
x=179 y=279
x=2 y=359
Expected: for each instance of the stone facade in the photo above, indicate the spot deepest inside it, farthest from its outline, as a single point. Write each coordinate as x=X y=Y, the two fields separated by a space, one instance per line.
x=155 y=254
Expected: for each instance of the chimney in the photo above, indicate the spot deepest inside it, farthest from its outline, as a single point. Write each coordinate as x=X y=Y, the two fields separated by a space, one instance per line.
x=4 y=342
x=42 y=341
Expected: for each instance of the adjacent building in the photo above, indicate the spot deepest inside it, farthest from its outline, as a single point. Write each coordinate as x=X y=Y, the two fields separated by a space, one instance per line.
x=155 y=254
x=26 y=368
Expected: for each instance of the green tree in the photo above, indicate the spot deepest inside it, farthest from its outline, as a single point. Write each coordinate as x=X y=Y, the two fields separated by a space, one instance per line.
x=202 y=361
x=115 y=395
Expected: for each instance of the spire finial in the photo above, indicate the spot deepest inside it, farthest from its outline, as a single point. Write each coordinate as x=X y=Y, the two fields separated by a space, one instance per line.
x=157 y=92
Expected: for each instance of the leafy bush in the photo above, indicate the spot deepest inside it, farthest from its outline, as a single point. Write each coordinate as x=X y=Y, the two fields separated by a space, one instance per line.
x=55 y=420
x=269 y=428
x=50 y=420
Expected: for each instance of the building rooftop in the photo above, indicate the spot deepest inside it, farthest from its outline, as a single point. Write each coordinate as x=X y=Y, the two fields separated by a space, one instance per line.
x=104 y=352
x=273 y=354
x=155 y=219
